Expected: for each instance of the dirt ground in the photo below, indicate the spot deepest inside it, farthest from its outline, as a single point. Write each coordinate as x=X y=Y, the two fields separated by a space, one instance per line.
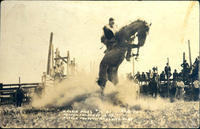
x=179 y=114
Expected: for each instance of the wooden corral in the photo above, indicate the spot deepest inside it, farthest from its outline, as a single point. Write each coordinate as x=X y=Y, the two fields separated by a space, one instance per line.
x=7 y=91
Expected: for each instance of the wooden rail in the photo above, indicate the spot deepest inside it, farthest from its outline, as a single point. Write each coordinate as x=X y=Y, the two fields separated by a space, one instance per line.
x=7 y=91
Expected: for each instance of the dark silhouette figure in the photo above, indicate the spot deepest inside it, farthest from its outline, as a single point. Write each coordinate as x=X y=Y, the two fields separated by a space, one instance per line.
x=175 y=75
x=143 y=77
x=168 y=71
x=172 y=91
x=19 y=96
x=162 y=76
x=185 y=71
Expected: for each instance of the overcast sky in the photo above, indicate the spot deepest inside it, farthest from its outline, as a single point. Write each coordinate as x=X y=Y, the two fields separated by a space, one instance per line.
x=77 y=26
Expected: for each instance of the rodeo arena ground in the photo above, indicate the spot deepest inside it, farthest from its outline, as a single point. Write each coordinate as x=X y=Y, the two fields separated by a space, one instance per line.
x=70 y=98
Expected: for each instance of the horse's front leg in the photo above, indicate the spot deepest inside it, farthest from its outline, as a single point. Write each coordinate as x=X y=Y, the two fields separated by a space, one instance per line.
x=128 y=54
x=137 y=53
x=102 y=74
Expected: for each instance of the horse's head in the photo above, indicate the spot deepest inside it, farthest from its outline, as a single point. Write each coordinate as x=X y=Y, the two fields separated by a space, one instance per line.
x=142 y=29
x=127 y=32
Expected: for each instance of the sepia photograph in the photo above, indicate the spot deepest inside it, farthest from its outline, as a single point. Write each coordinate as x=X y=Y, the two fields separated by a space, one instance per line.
x=99 y=64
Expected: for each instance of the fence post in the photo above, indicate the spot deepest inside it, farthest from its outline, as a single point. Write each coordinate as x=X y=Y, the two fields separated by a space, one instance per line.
x=1 y=87
x=68 y=63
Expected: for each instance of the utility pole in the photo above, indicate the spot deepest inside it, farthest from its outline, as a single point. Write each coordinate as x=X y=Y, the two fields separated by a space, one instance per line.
x=168 y=78
x=19 y=82
x=52 y=61
x=190 y=59
x=68 y=62
x=49 y=54
x=168 y=60
x=73 y=65
x=133 y=67
x=183 y=56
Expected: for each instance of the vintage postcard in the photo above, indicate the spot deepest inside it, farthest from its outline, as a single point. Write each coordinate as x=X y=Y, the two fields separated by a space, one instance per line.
x=99 y=64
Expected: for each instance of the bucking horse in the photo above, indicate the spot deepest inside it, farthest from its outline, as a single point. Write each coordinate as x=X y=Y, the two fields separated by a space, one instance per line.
x=108 y=69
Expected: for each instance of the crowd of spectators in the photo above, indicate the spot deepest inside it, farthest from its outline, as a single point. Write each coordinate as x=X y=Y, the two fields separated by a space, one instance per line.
x=176 y=85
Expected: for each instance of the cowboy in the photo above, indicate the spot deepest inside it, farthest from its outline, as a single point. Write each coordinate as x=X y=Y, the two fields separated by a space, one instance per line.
x=109 y=34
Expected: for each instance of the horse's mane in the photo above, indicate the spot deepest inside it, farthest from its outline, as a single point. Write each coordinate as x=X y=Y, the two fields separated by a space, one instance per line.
x=134 y=22
x=125 y=29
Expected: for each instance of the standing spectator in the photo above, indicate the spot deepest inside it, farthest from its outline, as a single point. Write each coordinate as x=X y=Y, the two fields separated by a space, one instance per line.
x=168 y=71
x=162 y=76
x=153 y=85
x=143 y=77
x=172 y=91
x=185 y=65
x=175 y=75
x=19 y=96
x=195 y=69
x=180 y=90
x=185 y=71
x=138 y=76
x=196 y=90
x=148 y=75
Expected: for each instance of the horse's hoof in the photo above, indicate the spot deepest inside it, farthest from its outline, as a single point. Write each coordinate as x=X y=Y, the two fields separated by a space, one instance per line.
x=101 y=83
x=128 y=59
x=102 y=89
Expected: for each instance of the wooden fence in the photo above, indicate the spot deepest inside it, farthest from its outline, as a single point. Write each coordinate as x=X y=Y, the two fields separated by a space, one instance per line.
x=7 y=91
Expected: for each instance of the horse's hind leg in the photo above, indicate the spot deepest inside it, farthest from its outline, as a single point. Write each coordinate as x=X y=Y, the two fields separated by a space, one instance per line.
x=115 y=75
x=109 y=73
x=112 y=75
x=102 y=75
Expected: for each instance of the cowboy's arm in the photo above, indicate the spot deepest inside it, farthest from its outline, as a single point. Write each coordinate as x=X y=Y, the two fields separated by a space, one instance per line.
x=105 y=28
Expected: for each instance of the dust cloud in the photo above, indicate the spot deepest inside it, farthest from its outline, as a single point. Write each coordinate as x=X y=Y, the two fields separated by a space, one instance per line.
x=82 y=93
